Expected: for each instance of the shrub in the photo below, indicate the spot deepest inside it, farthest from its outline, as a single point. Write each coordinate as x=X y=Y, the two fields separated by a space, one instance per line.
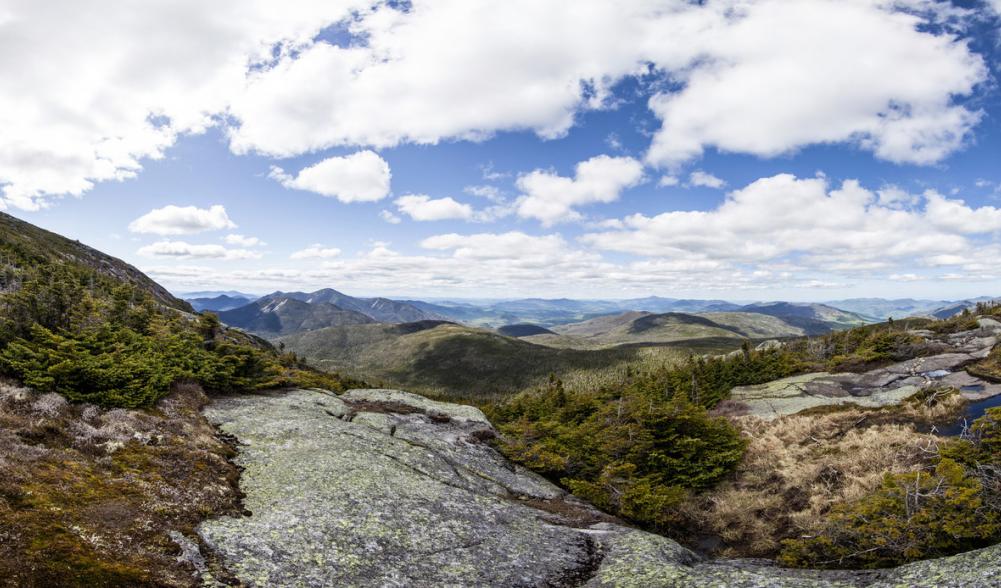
x=635 y=451
x=952 y=505
x=797 y=467
x=911 y=516
x=988 y=368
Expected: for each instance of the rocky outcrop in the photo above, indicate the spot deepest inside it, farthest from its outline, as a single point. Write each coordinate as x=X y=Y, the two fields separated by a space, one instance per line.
x=883 y=386
x=385 y=488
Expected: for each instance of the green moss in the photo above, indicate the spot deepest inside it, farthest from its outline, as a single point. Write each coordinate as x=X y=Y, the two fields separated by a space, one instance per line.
x=81 y=520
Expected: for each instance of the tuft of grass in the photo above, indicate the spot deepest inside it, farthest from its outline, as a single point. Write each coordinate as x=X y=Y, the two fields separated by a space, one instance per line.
x=798 y=467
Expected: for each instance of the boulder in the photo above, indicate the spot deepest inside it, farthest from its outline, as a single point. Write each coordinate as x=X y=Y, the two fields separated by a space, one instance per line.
x=989 y=324
x=768 y=345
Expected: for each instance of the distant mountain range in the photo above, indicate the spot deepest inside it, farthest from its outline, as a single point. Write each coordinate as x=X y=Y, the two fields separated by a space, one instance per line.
x=552 y=321
x=215 y=293
x=485 y=347
x=882 y=309
x=549 y=312
x=381 y=310
x=218 y=303
x=283 y=313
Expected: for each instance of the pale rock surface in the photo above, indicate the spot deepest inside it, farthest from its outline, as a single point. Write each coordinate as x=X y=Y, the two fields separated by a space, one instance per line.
x=879 y=387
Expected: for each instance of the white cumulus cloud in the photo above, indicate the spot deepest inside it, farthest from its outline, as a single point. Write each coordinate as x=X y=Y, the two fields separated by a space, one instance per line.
x=92 y=89
x=184 y=250
x=316 y=251
x=955 y=215
x=705 y=179
x=764 y=77
x=424 y=208
x=389 y=217
x=810 y=224
x=359 y=177
x=551 y=198
x=774 y=76
x=513 y=245
x=182 y=220
x=753 y=76
x=243 y=240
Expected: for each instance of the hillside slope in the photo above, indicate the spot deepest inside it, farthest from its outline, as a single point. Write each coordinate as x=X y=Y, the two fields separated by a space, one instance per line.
x=106 y=463
x=445 y=358
x=638 y=328
x=754 y=324
x=814 y=319
x=523 y=330
x=23 y=245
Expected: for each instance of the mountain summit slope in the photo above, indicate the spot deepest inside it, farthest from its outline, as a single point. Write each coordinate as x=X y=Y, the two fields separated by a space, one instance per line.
x=24 y=244
x=381 y=310
x=282 y=315
x=92 y=328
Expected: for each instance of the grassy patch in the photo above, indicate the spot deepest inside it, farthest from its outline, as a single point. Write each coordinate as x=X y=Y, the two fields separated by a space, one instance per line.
x=799 y=467
x=949 y=501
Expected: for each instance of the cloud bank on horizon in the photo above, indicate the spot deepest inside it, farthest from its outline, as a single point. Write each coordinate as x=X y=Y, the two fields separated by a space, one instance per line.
x=650 y=146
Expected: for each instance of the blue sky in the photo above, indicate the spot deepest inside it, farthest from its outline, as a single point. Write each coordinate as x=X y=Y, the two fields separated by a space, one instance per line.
x=753 y=150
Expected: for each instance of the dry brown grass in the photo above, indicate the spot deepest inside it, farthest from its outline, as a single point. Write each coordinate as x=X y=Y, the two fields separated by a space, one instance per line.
x=797 y=467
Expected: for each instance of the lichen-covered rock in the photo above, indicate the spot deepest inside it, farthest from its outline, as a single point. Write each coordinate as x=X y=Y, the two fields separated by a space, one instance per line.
x=882 y=386
x=798 y=393
x=342 y=503
x=989 y=324
x=419 y=403
x=419 y=500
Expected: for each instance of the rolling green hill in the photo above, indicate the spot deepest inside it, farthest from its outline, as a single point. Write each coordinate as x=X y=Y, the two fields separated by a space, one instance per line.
x=814 y=319
x=452 y=360
x=755 y=325
x=639 y=328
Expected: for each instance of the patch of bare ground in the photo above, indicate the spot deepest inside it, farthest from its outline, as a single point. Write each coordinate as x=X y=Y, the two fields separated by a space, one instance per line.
x=798 y=466
x=92 y=497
